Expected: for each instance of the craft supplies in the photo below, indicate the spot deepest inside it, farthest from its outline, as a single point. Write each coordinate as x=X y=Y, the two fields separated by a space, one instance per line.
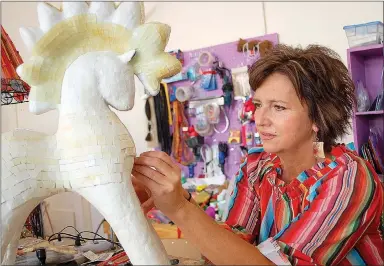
x=208 y=80
x=193 y=72
x=217 y=61
x=154 y=130
x=172 y=94
x=191 y=170
x=247 y=111
x=234 y=136
x=202 y=126
x=207 y=114
x=193 y=140
x=166 y=91
x=178 y=54
x=212 y=112
x=248 y=140
x=148 y=114
x=240 y=79
x=223 y=153
x=362 y=97
x=204 y=101
x=206 y=59
x=163 y=132
x=178 y=77
x=226 y=76
x=180 y=150
x=184 y=93
x=253 y=48
x=226 y=122
x=257 y=139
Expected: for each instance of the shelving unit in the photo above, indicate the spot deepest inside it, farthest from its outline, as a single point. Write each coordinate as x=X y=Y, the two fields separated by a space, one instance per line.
x=366 y=64
x=380 y=112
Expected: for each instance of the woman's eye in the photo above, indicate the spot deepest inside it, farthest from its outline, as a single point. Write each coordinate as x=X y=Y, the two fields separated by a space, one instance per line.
x=257 y=105
x=279 y=107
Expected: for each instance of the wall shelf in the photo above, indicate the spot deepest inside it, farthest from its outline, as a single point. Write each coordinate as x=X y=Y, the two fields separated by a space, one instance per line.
x=380 y=112
x=366 y=63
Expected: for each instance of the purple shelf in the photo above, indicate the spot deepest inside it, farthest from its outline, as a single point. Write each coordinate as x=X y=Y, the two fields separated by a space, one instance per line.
x=366 y=63
x=368 y=50
x=380 y=112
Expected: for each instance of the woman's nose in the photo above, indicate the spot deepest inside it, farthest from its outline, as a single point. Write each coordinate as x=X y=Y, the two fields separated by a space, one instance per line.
x=261 y=117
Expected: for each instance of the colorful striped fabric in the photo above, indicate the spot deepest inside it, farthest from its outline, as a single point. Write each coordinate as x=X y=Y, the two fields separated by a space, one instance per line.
x=330 y=214
x=10 y=57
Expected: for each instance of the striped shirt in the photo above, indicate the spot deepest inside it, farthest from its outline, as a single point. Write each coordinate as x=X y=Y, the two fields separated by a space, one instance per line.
x=329 y=214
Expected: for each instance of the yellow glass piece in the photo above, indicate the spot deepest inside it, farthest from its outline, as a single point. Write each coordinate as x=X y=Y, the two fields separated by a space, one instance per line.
x=81 y=34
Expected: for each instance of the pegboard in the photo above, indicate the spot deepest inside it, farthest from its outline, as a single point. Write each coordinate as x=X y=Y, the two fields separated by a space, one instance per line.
x=228 y=54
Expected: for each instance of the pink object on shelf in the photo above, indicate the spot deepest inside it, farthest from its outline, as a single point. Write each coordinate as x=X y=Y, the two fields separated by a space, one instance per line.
x=211 y=212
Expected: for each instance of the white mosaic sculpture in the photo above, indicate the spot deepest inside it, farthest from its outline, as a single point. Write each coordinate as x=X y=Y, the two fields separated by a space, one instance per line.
x=84 y=57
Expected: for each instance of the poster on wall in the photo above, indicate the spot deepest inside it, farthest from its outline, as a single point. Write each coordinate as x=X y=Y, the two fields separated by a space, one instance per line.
x=13 y=89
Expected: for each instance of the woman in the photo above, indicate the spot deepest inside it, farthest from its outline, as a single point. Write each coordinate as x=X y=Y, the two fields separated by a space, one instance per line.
x=302 y=205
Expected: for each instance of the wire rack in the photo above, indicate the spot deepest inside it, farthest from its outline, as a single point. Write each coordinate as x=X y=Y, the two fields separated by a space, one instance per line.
x=14 y=91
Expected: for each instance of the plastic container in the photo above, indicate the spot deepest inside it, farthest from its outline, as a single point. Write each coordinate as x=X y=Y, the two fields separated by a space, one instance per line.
x=364 y=34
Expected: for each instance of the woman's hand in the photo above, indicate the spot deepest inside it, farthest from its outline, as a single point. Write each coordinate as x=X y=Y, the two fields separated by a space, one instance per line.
x=156 y=171
x=143 y=194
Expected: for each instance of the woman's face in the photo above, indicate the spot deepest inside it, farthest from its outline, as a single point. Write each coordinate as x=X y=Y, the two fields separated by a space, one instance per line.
x=281 y=119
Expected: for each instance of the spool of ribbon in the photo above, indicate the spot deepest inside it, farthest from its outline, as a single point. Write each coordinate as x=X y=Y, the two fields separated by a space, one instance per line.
x=206 y=59
x=184 y=93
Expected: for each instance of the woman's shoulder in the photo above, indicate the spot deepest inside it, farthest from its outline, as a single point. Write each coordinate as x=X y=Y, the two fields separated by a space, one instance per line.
x=348 y=163
x=345 y=156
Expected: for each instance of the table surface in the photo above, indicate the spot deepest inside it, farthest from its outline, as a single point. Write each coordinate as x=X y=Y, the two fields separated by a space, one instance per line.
x=55 y=258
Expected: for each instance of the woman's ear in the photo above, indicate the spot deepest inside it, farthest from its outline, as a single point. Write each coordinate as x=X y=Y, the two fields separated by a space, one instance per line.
x=315 y=128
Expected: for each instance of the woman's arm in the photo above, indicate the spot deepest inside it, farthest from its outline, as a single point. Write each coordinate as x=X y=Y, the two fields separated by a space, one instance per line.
x=145 y=198
x=187 y=196
x=220 y=246
x=161 y=176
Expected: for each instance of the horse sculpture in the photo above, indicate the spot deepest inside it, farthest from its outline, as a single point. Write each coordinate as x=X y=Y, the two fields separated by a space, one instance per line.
x=83 y=60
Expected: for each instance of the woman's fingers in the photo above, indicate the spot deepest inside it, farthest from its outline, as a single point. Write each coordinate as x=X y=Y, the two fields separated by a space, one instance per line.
x=150 y=173
x=148 y=205
x=142 y=192
x=146 y=181
x=137 y=185
x=158 y=164
x=161 y=156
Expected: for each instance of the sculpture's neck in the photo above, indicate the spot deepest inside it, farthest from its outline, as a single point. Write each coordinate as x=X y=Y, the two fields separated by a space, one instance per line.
x=80 y=93
x=87 y=124
x=82 y=107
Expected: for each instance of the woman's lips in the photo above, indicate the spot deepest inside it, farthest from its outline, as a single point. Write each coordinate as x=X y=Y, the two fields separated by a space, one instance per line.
x=267 y=136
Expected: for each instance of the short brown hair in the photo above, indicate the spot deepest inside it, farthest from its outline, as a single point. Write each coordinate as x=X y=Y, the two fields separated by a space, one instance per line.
x=321 y=81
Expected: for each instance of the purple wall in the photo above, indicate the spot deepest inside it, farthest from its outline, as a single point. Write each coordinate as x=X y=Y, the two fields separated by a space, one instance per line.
x=227 y=53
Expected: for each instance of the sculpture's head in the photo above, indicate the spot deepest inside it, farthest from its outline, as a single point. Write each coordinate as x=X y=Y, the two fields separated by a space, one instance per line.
x=78 y=28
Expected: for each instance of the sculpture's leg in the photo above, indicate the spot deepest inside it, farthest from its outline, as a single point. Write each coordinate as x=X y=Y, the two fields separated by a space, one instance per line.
x=11 y=249
x=12 y=222
x=119 y=205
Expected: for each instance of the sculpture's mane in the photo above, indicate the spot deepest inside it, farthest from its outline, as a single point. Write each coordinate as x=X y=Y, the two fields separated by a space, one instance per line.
x=85 y=32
